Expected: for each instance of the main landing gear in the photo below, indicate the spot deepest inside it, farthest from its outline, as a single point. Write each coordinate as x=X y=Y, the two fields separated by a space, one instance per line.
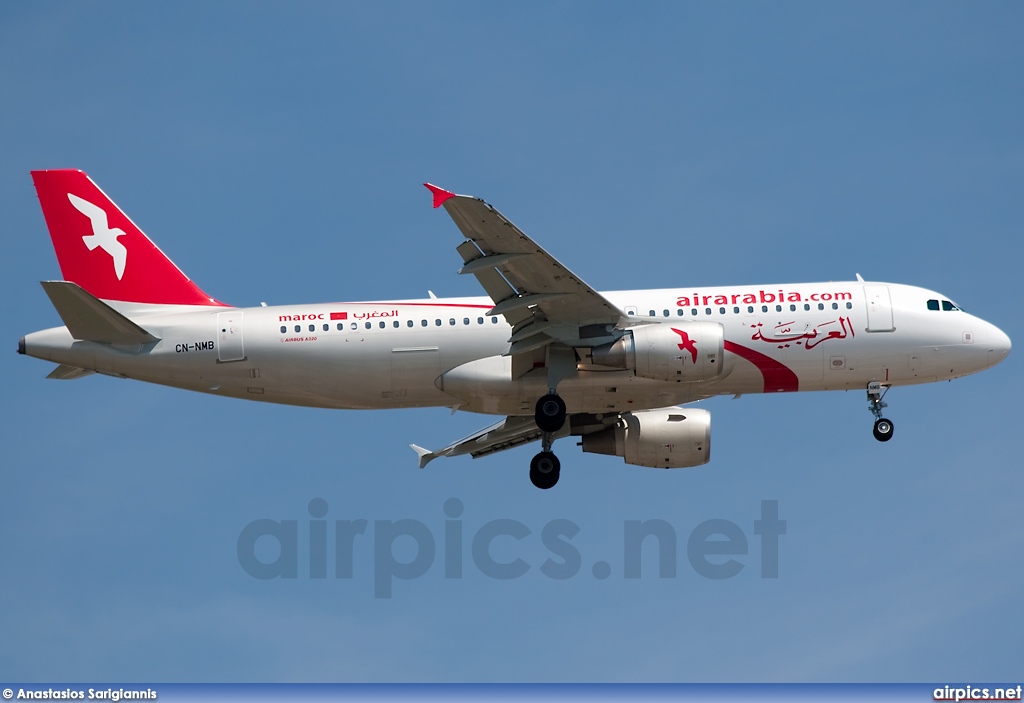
x=883 y=427
x=550 y=413
x=549 y=416
x=544 y=469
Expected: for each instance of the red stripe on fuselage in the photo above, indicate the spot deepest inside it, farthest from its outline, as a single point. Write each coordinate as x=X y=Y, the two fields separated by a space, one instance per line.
x=777 y=377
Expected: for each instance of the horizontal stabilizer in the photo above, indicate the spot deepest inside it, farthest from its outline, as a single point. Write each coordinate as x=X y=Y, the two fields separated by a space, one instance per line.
x=90 y=319
x=69 y=373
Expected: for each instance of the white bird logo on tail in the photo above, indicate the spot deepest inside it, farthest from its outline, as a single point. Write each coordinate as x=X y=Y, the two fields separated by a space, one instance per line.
x=103 y=236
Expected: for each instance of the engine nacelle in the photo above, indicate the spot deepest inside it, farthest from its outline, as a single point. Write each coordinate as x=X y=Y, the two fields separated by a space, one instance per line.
x=684 y=352
x=666 y=438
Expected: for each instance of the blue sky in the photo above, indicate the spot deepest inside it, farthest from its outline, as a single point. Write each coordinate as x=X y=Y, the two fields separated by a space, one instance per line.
x=276 y=151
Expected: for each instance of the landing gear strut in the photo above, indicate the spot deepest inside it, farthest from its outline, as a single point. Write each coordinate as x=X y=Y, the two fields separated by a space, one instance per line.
x=549 y=416
x=883 y=427
x=550 y=413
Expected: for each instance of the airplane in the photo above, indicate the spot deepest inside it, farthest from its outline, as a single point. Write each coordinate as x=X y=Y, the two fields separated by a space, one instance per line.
x=545 y=351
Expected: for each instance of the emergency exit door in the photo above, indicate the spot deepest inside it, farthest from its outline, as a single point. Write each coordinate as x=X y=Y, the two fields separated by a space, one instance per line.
x=879 y=308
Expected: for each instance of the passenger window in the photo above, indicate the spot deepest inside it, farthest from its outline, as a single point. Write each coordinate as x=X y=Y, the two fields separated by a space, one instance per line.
x=694 y=311
x=666 y=313
x=451 y=321
x=494 y=320
x=396 y=324
x=792 y=308
x=369 y=325
x=807 y=306
x=721 y=311
x=312 y=328
x=283 y=329
x=354 y=326
x=764 y=308
x=821 y=306
x=479 y=320
x=735 y=311
x=707 y=311
x=465 y=320
x=835 y=306
x=298 y=328
x=750 y=308
x=423 y=323
x=778 y=308
x=341 y=326
x=409 y=323
x=933 y=304
x=381 y=324
x=849 y=306
x=326 y=327
x=437 y=322
x=652 y=314
x=680 y=312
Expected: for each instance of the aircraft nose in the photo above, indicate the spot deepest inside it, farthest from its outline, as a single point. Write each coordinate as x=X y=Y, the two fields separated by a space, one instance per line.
x=998 y=344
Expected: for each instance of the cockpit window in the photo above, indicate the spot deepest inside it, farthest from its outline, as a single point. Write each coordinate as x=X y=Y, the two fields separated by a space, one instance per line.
x=946 y=305
x=933 y=304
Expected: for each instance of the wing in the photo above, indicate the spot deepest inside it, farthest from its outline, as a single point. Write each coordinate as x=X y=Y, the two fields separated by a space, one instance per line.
x=96 y=214
x=508 y=433
x=542 y=299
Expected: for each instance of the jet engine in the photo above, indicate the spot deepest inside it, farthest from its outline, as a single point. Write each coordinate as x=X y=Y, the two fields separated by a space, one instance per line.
x=666 y=438
x=684 y=352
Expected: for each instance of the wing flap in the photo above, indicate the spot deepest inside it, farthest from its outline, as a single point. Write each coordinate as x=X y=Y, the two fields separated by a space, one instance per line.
x=493 y=283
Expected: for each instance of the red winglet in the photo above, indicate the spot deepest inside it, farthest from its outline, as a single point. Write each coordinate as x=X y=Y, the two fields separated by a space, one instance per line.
x=440 y=194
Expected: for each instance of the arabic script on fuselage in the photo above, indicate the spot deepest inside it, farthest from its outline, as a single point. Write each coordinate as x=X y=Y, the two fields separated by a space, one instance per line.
x=783 y=334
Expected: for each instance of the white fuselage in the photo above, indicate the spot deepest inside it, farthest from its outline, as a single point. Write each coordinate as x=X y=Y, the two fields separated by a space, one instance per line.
x=448 y=352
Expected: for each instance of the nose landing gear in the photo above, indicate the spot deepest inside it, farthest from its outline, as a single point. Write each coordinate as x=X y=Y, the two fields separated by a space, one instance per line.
x=882 y=430
x=883 y=427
